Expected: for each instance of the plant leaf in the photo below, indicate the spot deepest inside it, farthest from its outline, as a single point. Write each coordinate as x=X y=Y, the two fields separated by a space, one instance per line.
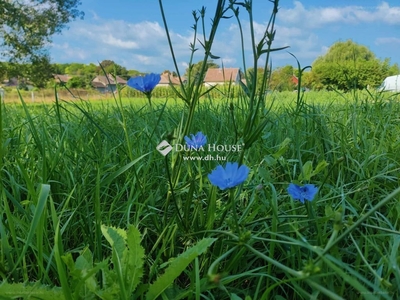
x=134 y=259
x=177 y=266
x=306 y=171
x=321 y=166
x=282 y=148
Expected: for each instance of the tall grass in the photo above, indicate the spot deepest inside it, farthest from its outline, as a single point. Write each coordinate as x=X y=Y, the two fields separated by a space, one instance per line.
x=90 y=209
x=74 y=158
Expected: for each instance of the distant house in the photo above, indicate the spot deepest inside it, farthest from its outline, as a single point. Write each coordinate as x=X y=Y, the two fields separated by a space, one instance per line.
x=21 y=83
x=61 y=78
x=105 y=84
x=295 y=80
x=222 y=76
x=12 y=82
x=165 y=80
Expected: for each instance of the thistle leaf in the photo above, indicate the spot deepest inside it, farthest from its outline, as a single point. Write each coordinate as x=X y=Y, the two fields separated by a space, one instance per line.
x=177 y=266
x=134 y=258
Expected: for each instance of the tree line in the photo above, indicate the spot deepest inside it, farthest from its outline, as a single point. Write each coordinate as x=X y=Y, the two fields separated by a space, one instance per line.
x=41 y=73
x=27 y=26
x=346 y=65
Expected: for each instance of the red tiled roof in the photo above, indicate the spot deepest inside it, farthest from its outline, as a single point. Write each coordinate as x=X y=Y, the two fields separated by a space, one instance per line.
x=165 y=78
x=61 y=78
x=102 y=80
x=295 y=80
x=221 y=75
x=98 y=84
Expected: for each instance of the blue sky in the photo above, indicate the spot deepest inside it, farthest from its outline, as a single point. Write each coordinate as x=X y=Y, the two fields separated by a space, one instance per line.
x=132 y=34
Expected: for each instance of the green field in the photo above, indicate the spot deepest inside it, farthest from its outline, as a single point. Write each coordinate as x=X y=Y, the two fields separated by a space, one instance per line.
x=90 y=209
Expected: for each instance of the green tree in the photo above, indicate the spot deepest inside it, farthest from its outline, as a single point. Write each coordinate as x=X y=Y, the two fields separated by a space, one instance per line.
x=282 y=79
x=26 y=26
x=348 y=65
x=250 y=76
x=193 y=71
x=173 y=73
x=393 y=70
x=307 y=79
x=76 y=82
x=89 y=70
x=86 y=72
x=110 y=67
x=74 y=69
x=39 y=71
x=12 y=69
x=59 y=68
x=3 y=70
x=133 y=73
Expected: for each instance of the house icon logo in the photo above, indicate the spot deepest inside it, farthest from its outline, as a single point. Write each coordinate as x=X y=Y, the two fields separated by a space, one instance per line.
x=164 y=148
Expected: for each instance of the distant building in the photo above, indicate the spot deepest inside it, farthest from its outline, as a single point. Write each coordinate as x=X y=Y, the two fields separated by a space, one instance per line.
x=222 y=76
x=21 y=83
x=61 y=78
x=106 y=84
x=295 y=80
x=167 y=78
x=12 y=82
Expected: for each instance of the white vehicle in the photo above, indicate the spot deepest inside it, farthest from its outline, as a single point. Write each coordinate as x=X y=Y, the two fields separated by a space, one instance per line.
x=391 y=83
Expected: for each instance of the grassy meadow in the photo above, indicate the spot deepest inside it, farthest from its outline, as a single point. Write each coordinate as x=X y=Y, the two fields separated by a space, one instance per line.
x=90 y=210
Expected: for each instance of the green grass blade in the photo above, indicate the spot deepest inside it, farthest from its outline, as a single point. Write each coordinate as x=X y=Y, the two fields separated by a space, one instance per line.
x=135 y=258
x=58 y=249
x=39 y=209
x=177 y=266
x=121 y=170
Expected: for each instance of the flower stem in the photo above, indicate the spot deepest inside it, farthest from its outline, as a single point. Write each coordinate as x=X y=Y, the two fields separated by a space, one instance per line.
x=149 y=99
x=311 y=216
x=234 y=212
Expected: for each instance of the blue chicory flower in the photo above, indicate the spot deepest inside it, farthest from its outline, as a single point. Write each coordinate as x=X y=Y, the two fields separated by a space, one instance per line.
x=306 y=192
x=196 y=141
x=230 y=176
x=144 y=84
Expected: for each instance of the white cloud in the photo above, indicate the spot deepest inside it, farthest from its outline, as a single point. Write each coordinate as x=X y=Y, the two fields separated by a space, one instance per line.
x=304 y=44
x=143 y=45
x=116 y=42
x=184 y=64
x=134 y=45
x=94 y=15
x=145 y=32
x=145 y=59
x=228 y=61
x=71 y=53
x=300 y=26
x=388 y=14
x=314 y=17
x=119 y=34
x=387 y=40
